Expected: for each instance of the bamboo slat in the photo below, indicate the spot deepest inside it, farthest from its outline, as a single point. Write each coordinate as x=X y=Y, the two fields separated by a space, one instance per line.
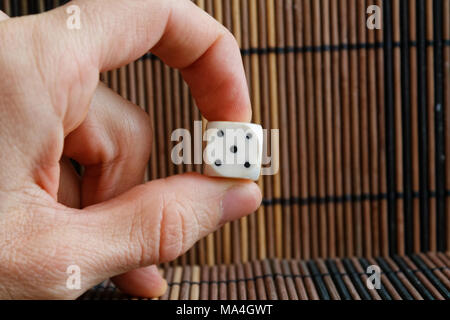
x=364 y=118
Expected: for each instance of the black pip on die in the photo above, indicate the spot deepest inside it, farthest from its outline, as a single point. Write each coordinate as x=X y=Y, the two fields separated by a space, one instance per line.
x=233 y=150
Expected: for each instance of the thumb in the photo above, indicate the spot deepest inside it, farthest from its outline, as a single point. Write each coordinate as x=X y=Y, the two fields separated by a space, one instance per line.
x=158 y=221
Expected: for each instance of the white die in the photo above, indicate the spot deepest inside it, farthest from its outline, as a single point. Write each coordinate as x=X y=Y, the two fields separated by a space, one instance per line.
x=233 y=150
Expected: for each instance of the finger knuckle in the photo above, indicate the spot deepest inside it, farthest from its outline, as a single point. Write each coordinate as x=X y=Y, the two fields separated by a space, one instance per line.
x=138 y=126
x=171 y=232
x=178 y=229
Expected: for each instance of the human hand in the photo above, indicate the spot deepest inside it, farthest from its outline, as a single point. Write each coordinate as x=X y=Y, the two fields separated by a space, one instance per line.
x=52 y=108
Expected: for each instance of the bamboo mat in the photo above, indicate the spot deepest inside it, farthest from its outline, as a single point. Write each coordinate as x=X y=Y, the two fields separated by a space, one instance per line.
x=415 y=277
x=364 y=119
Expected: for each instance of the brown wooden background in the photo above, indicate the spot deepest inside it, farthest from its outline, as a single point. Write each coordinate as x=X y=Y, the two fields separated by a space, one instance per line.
x=364 y=119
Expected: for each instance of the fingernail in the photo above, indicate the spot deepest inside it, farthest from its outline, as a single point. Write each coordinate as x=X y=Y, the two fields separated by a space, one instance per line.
x=240 y=201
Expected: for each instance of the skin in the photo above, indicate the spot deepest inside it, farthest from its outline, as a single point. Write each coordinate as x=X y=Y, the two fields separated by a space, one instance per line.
x=52 y=108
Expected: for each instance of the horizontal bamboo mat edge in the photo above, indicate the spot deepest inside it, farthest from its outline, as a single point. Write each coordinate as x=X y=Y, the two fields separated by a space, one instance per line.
x=415 y=277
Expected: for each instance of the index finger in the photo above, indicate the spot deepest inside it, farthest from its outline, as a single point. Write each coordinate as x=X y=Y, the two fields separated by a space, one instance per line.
x=116 y=32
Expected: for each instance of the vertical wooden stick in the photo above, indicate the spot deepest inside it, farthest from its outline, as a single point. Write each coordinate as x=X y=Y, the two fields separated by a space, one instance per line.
x=168 y=116
x=266 y=123
x=346 y=133
x=293 y=127
x=159 y=119
x=303 y=148
x=286 y=237
x=431 y=127
x=337 y=130
x=398 y=130
x=311 y=124
x=373 y=136
x=382 y=142
x=23 y=7
x=319 y=127
x=364 y=128
x=131 y=79
x=414 y=126
x=150 y=107
x=355 y=130
x=7 y=7
x=271 y=41
x=328 y=130
x=446 y=35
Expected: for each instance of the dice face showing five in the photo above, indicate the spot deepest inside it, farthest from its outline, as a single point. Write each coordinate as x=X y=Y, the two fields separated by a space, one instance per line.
x=233 y=150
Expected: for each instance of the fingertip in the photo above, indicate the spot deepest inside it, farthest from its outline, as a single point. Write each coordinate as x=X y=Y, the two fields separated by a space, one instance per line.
x=240 y=200
x=163 y=288
x=3 y=16
x=144 y=282
x=256 y=195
